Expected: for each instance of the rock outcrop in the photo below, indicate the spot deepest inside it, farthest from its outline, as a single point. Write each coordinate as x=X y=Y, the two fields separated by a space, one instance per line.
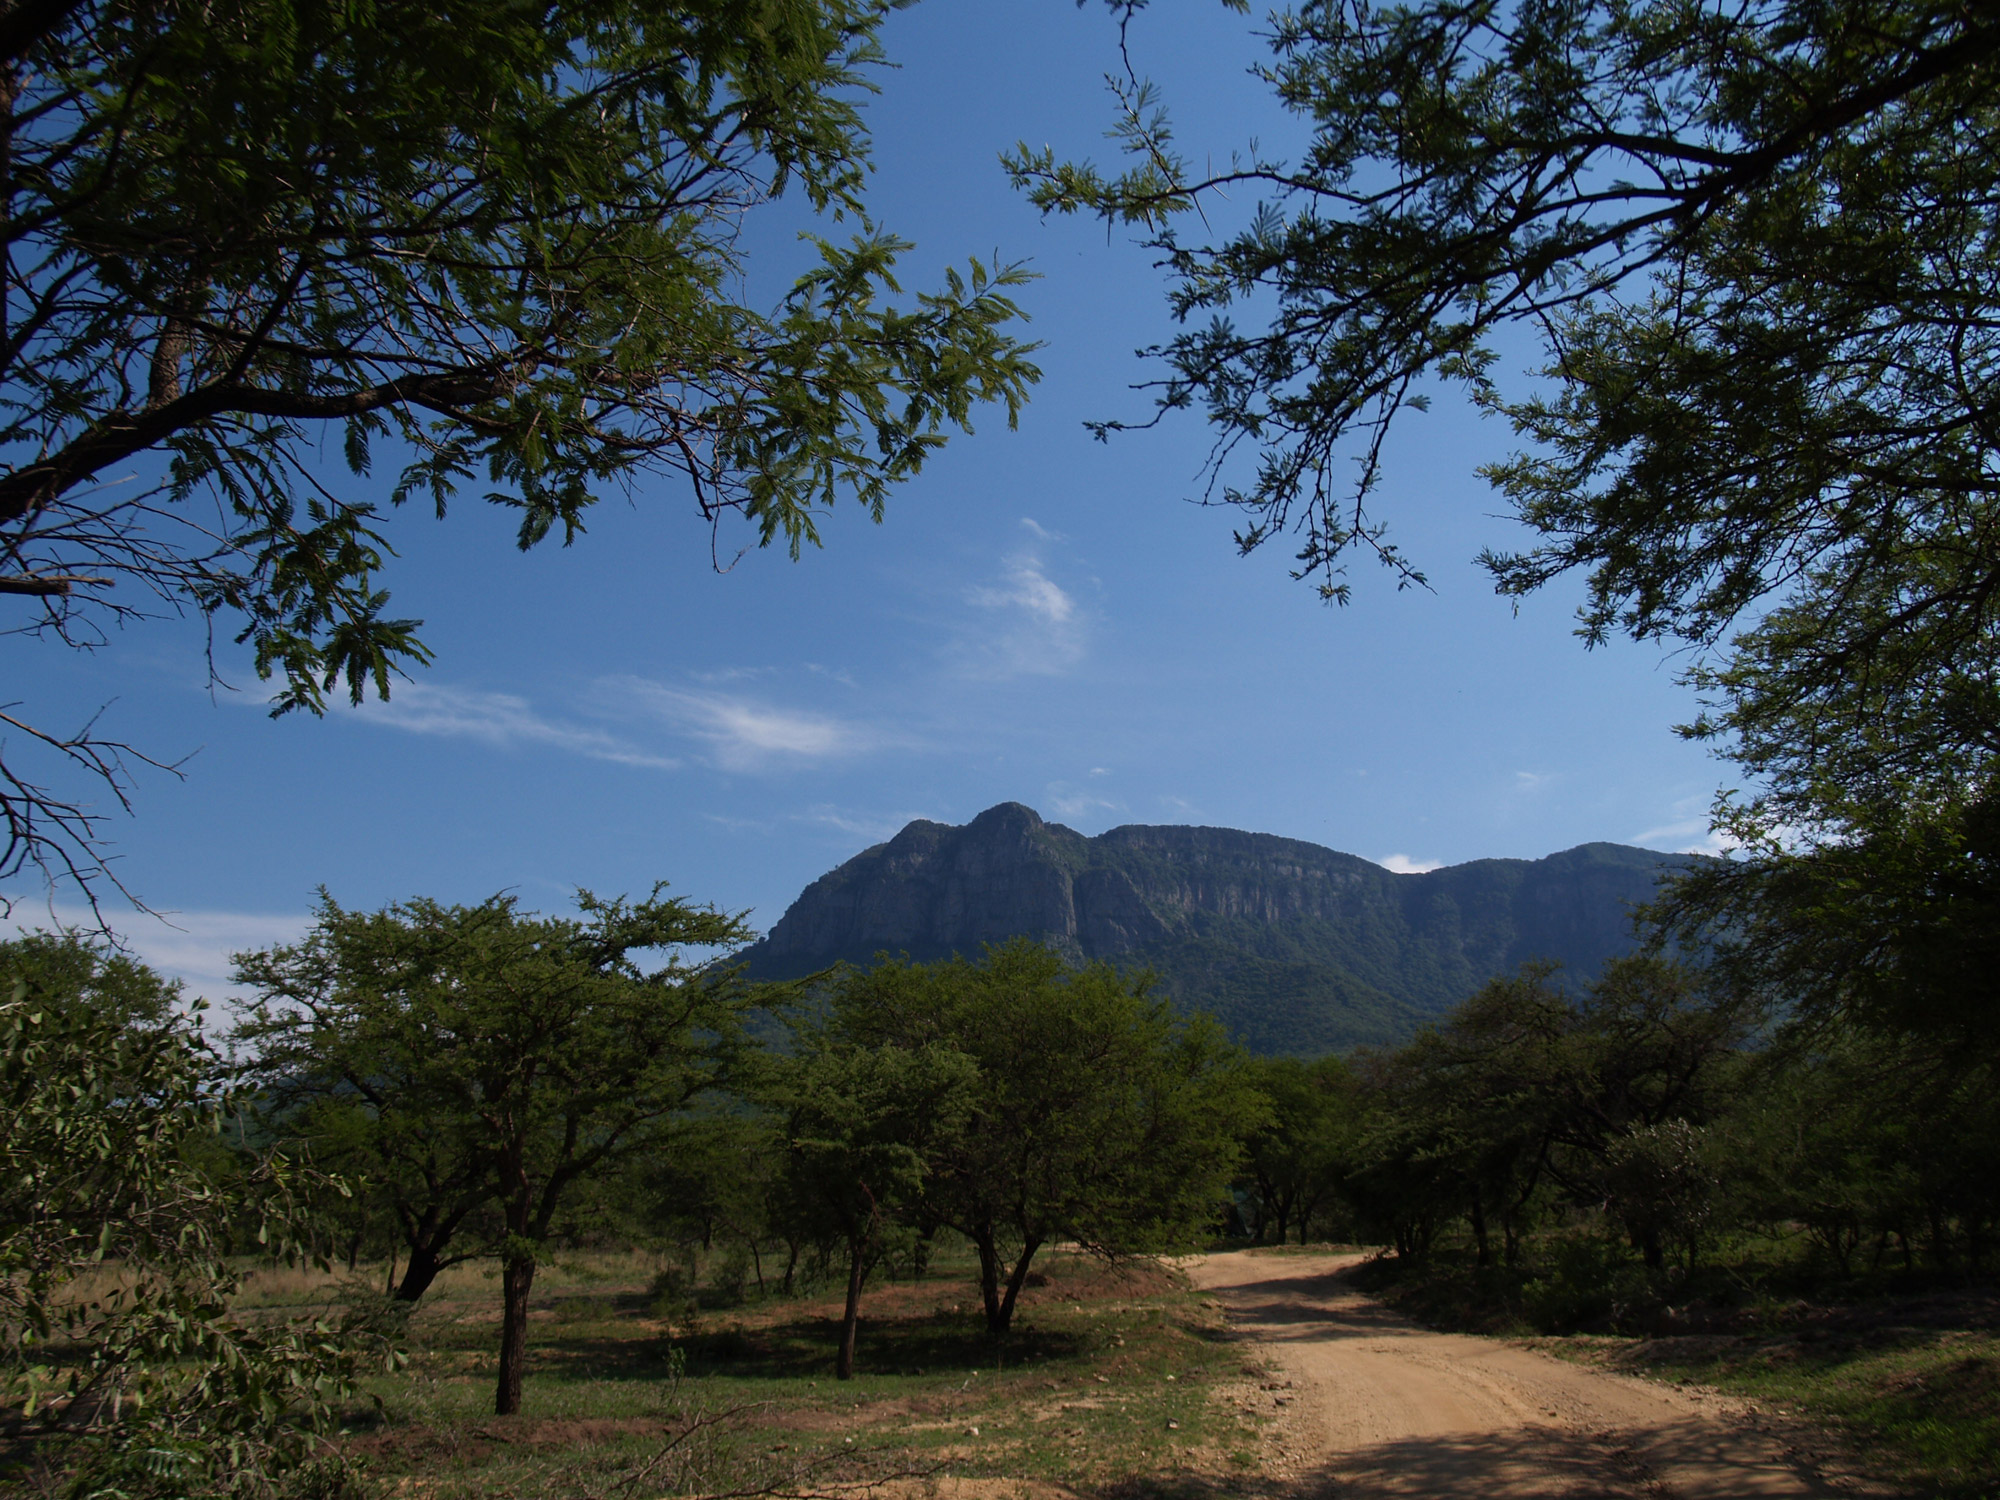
x=1297 y=948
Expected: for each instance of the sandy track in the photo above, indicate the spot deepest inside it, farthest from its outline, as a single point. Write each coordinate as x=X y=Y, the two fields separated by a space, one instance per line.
x=1380 y=1406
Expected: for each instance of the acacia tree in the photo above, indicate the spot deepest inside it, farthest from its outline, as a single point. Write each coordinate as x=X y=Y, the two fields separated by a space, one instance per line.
x=1097 y=1115
x=493 y=246
x=477 y=1058
x=1757 y=246
x=113 y=1108
x=1292 y=1157
x=1602 y=1093
x=865 y=1129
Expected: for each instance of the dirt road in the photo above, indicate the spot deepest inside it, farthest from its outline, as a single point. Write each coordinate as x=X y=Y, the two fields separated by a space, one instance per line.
x=1380 y=1406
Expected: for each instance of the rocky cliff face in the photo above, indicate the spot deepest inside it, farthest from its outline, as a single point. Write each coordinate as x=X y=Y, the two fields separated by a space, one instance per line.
x=1297 y=947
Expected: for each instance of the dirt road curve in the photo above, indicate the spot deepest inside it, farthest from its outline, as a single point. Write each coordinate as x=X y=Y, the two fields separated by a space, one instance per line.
x=1380 y=1406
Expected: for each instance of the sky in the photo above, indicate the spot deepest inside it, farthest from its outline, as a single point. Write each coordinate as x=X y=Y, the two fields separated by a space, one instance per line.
x=1040 y=618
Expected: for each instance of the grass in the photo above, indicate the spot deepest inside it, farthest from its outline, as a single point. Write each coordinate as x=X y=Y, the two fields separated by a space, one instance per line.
x=1114 y=1377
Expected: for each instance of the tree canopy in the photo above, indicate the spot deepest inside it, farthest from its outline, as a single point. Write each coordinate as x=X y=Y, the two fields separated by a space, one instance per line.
x=1755 y=245
x=1753 y=239
x=124 y=1212
x=479 y=1063
x=1096 y=1114
x=496 y=248
x=864 y=1129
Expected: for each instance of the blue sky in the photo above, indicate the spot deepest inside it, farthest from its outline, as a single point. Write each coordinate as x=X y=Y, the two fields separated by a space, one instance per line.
x=1040 y=618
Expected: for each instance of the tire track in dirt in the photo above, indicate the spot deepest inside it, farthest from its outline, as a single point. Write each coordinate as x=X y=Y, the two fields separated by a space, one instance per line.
x=1379 y=1406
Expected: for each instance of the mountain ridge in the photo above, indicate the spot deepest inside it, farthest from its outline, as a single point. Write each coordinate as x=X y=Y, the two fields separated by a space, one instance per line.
x=1296 y=947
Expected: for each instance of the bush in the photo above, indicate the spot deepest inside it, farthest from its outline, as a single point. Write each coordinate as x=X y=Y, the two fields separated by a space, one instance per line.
x=672 y=1294
x=141 y=1382
x=1586 y=1280
x=729 y=1279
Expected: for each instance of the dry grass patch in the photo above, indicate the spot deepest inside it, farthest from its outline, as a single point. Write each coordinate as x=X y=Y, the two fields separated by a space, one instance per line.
x=1113 y=1375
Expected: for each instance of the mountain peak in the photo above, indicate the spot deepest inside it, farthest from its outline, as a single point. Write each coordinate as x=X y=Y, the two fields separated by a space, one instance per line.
x=1298 y=947
x=1007 y=815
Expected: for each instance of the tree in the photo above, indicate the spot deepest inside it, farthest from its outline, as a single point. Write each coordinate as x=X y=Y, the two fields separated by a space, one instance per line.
x=1098 y=1114
x=497 y=247
x=1293 y=1157
x=1848 y=1135
x=1870 y=899
x=481 y=1060
x=1752 y=239
x=122 y=1367
x=866 y=1129
x=1602 y=1093
x=1756 y=244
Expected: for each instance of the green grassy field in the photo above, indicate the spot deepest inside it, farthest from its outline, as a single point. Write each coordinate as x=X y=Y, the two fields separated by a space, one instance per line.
x=1114 y=1378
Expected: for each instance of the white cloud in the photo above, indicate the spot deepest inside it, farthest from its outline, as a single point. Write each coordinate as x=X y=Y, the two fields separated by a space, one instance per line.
x=1038 y=531
x=743 y=734
x=719 y=675
x=1689 y=836
x=1402 y=864
x=1530 y=781
x=192 y=946
x=874 y=827
x=502 y=720
x=1030 y=589
x=1068 y=801
x=1039 y=630
x=1685 y=830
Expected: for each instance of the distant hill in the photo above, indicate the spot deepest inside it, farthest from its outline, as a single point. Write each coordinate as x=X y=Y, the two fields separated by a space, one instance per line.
x=1298 y=949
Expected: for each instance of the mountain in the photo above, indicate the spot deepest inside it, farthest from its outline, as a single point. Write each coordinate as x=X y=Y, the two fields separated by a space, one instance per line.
x=1298 y=949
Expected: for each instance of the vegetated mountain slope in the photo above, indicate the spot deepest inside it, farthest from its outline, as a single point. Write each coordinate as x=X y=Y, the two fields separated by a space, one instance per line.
x=1298 y=949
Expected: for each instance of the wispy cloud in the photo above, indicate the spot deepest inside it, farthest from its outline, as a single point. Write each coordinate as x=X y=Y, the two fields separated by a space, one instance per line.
x=1067 y=800
x=875 y=827
x=715 y=677
x=191 y=946
x=741 y=733
x=1030 y=589
x=1686 y=831
x=503 y=720
x=1032 y=625
x=1402 y=864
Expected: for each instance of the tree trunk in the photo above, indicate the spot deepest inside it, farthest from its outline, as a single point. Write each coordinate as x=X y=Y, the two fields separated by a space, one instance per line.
x=1651 y=1250
x=989 y=1276
x=419 y=1274
x=517 y=1278
x=1479 y=1231
x=1015 y=1282
x=1940 y=1244
x=850 y=1320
